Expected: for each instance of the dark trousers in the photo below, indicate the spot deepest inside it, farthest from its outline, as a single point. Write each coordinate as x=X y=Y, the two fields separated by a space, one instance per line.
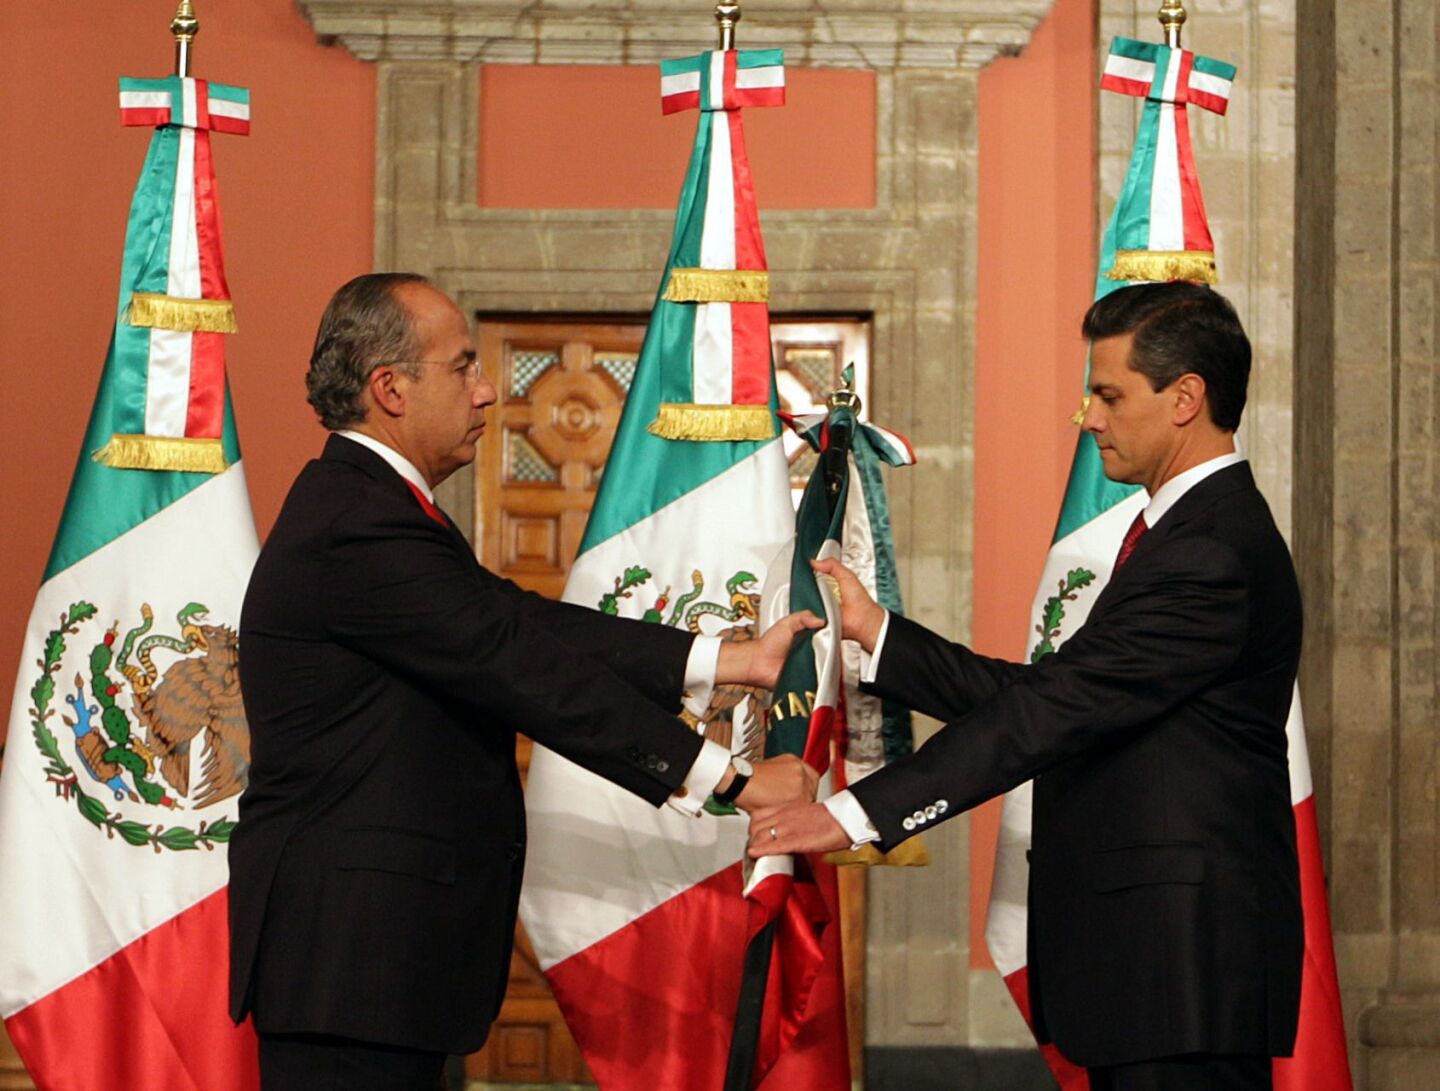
x=1195 y=1072
x=317 y=1062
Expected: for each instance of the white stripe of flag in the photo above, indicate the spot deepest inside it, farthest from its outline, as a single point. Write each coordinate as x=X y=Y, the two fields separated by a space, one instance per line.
x=771 y=75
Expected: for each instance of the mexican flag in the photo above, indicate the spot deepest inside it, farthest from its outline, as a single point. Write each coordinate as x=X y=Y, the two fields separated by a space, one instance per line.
x=1157 y=232
x=818 y=712
x=636 y=914
x=127 y=746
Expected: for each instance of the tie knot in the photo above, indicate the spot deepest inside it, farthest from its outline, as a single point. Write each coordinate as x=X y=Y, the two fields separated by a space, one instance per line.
x=1132 y=538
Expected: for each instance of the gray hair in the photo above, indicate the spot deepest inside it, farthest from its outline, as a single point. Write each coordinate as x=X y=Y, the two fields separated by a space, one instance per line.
x=364 y=325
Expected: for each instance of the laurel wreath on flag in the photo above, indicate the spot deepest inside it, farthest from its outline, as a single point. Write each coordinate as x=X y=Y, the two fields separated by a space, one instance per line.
x=60 y=773
x=1053 y=614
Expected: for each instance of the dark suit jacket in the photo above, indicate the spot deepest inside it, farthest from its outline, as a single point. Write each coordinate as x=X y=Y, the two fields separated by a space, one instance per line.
x=375 y=870
x=1164 y=901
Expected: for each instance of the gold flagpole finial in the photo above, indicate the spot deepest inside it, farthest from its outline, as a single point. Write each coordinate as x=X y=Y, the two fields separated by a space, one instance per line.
x=727 y=14
x=1172 y=18
x=184 y=26
x=845 y=396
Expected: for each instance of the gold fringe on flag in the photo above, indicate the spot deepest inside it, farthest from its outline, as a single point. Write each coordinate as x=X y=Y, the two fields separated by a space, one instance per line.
x=909 y=853
x=1165 y=265
x=168 y=312
x=718 y=286
x=201 y=456
x=714 y=422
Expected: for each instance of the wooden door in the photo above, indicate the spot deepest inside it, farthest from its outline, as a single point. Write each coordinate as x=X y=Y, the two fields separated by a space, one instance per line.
x=561 y=388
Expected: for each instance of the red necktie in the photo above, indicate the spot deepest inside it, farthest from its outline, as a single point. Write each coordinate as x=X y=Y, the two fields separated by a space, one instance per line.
x=430 y=509
x=1132 y=539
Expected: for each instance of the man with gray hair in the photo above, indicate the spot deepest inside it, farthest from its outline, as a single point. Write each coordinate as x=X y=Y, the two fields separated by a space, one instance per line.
x=376 y=867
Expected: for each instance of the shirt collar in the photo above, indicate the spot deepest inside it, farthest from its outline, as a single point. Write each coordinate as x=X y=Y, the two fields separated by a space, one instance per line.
x=398 y=462
x=1169 y=493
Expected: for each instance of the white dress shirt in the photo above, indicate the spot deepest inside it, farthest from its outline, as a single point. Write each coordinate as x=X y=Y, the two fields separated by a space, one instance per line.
x=843 y=806
x=713 y=760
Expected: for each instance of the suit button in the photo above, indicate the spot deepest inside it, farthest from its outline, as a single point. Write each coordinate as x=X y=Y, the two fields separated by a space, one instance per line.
x=650 y=761
x=908 y=824
x=941 y=806
x=516 y=850
x=931 y=812
x=919 y=817
x=662 y=766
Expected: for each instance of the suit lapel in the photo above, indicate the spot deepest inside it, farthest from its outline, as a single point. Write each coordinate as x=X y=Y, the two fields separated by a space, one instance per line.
x=1198 y=500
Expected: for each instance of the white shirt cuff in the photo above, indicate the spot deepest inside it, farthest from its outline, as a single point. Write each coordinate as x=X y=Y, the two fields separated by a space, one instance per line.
x=703 y=778
x=870 y=661
x=700 y=668
x=846 y=810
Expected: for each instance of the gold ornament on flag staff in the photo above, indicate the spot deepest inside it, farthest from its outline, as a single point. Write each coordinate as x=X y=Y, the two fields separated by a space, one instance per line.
x=1172 y=18
x=727 y=14
x=184 y=26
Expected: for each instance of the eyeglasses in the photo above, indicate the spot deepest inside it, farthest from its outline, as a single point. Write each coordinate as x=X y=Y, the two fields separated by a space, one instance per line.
x=469 y=371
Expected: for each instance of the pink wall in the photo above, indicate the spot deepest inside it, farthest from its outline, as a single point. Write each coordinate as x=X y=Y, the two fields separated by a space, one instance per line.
x=296 y=197
x=594 y=137
x=1037 y=276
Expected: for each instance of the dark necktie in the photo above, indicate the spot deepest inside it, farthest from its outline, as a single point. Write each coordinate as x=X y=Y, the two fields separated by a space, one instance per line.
x=1132 y=539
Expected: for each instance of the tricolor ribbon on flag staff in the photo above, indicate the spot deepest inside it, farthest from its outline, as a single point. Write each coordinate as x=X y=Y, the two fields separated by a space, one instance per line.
x=716 y=377
x=1163 y=232
x=174 y=307
x=1158 y=232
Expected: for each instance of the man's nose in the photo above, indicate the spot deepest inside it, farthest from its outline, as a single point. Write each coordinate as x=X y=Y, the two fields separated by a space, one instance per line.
x=483 y=393
x=1091 y=420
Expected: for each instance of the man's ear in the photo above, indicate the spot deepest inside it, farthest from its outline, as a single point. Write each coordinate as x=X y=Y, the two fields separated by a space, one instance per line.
x=1189 y=398
x=385 y=390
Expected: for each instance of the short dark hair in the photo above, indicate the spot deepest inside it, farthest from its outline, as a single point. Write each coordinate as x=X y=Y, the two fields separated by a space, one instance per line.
x=1180 y=328
x=364 y=325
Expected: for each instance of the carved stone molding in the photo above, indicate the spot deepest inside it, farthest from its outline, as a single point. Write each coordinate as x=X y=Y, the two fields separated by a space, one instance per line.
x=846 y=34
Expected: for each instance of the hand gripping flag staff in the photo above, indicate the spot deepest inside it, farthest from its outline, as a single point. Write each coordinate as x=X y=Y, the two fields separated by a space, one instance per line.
x=1158 y=232
x=636 y=914
x=128 y=742
x=818 y=712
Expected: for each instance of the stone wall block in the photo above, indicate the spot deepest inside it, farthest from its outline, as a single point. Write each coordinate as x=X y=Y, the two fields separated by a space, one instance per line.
x=1360 y=755
x=1365 y=863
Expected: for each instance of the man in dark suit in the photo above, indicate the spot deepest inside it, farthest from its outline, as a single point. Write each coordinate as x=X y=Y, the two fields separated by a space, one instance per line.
x=1165 y=937
x=376 y=867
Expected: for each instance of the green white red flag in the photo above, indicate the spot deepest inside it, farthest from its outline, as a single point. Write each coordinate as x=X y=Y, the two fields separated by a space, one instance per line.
x=1158 y=232
x=127 y=745
x=818 y=712
x=636 y=915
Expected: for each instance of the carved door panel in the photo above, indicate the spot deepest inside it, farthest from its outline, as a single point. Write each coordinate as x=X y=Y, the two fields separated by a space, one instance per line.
x=561 y=388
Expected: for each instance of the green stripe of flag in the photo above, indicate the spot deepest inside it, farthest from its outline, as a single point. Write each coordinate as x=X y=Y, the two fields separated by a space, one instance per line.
x=228 y=93
x=697 y=63
x=759 y=58
x=1137 y=51
x=1215 y=68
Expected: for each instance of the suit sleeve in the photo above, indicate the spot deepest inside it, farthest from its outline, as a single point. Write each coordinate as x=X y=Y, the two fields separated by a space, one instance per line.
x=930 y=674
x=1161 y=641
x=635 y=650
x=401 y=595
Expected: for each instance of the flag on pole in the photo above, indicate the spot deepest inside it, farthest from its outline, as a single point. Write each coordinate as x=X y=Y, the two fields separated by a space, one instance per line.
x=1158 y=232
x=818 y=712
x=635 y=914
x=128 y=746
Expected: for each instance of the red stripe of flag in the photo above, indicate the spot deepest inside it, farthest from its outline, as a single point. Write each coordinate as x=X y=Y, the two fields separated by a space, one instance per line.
x=1125 y=86
x=1197 y=227
x=749 y=322
x=202 y=104
x=152 y=1015
x=205 y=413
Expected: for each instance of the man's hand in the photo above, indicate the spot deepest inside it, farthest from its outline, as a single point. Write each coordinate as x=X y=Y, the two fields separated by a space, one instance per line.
x=809 y=827
x=776 y=782
x=758 y=662
x=860 y=615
